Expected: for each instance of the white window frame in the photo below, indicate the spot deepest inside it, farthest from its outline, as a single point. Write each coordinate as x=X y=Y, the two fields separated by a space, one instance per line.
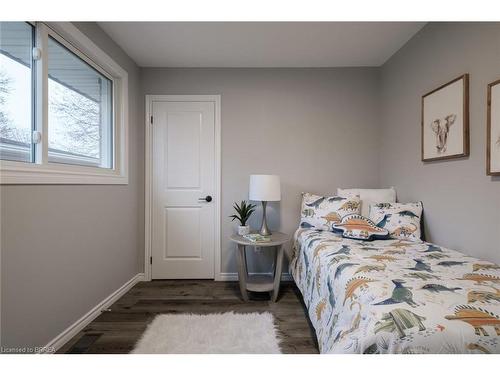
x=43 y=172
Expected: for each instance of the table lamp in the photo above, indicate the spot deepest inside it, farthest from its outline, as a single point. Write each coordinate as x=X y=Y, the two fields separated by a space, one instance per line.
x=264 y=188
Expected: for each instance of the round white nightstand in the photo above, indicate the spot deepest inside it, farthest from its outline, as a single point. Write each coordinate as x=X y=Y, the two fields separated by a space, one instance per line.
x=260 y=283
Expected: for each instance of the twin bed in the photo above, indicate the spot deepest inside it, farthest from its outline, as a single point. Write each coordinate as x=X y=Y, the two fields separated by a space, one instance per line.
x=395 y=296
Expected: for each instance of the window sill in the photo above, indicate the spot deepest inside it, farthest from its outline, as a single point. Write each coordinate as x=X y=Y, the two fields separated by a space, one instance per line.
x=35 y=174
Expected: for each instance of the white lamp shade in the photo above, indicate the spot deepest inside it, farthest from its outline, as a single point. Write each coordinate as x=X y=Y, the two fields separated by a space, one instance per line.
x=264 y=187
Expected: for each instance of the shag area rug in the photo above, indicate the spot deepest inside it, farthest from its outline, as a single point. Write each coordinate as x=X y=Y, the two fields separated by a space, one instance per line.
x=227 y=333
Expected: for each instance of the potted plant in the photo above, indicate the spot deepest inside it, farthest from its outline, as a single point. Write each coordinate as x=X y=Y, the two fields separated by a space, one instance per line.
x=243 y=212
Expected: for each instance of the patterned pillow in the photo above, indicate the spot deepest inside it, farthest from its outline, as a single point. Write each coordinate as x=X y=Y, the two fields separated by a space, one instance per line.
x=401 y=219
x=321 y=212
x=358 y=227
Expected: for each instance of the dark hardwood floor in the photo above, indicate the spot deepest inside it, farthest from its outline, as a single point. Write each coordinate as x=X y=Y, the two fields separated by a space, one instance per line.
x=117 y=330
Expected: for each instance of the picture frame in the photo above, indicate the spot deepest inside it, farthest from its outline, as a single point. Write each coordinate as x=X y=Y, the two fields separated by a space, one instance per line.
x=493 y=129
x=445 y=121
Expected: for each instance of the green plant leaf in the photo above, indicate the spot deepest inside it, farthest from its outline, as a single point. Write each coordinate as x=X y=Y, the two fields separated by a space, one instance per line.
x=243 y=210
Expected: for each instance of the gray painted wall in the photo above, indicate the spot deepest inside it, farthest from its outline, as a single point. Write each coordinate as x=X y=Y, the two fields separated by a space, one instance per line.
x=65 y=248
x=316 y=128
x=462 y=204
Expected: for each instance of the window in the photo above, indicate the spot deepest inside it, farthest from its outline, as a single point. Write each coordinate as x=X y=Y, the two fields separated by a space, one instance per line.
x=63 y=107
x=80 y=111
x=16 y=91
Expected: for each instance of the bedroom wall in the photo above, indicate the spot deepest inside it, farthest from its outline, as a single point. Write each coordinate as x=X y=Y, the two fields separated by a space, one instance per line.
x=66 y=248
x=462 y=204
x=316 y=128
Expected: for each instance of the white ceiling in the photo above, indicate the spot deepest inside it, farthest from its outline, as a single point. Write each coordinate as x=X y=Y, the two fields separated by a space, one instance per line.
x=259 y=44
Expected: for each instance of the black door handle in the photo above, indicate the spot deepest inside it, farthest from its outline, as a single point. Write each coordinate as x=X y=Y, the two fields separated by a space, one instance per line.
x=208 y=198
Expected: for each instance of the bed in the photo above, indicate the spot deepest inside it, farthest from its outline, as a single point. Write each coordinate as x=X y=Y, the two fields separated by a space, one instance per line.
x=395 y=296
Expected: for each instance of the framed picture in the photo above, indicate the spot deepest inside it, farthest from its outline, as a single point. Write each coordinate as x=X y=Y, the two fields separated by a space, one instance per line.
x=493 y=130
x=445 y=121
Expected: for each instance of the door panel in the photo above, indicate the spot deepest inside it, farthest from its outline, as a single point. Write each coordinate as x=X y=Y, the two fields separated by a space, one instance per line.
x=177 y=244
x=183 y=137
x=183 y=172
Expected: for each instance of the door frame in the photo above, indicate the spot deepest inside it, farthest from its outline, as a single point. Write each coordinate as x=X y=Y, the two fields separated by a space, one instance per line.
x=148 y=178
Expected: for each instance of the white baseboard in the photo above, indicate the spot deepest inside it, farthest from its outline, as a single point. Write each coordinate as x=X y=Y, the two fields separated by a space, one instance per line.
x=233 y=276
x=57 y=343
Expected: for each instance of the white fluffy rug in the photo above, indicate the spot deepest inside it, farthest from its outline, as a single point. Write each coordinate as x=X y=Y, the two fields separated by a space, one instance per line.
x=215 y=334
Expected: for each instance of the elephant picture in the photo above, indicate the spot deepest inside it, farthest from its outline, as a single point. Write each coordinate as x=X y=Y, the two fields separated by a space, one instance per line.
x=445 y=121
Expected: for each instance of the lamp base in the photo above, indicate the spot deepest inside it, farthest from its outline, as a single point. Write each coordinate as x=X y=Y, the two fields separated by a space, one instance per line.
x=264 y=230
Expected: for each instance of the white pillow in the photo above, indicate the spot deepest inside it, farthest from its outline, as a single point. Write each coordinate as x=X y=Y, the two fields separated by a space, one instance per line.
x=370 y=196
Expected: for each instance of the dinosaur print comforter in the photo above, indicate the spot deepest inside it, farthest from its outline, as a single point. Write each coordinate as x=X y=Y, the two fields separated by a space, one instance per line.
x=396 y=296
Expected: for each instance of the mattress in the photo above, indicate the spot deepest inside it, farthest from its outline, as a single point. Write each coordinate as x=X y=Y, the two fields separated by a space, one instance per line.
x=396 y=296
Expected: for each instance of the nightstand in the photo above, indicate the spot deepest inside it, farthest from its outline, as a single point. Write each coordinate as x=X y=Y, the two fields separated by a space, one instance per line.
x=260 y=283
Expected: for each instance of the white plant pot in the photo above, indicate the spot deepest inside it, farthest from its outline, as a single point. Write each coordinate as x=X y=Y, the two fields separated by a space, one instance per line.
x=243 y=229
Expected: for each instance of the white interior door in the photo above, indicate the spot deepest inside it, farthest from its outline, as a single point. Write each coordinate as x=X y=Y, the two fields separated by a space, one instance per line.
x=183 y=221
